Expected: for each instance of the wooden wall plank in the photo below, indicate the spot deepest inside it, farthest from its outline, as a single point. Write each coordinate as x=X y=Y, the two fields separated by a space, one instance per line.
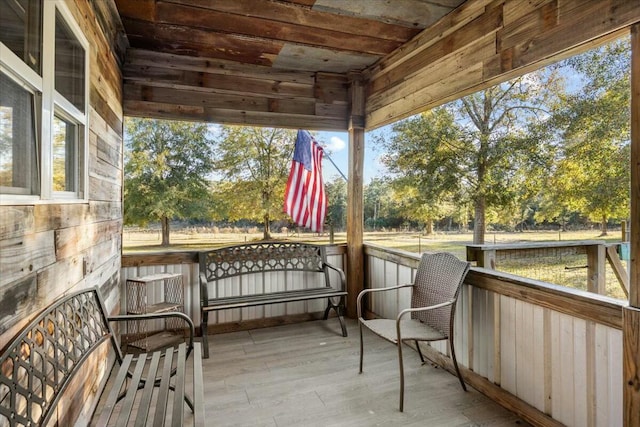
x=25 y=255
x=243 y=117
x=18 y=303
x=218 y=82
x=74 y=239
x=163 y=86
x=31 y=276
x=16 y=221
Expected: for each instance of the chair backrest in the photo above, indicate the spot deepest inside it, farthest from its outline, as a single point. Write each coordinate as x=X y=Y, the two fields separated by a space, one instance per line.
x=438 y=279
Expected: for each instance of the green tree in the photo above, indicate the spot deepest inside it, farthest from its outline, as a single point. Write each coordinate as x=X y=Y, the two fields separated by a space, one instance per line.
x=593 y=135
x=423 y=156
x=166 y=169
x=254 y=164
x=379 y=205
x=497 y=149
x=470 y=151
x=337 y=202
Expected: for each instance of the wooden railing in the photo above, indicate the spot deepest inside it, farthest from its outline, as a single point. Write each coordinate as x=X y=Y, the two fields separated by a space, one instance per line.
x=550 y=353
x=186 y=263
x=594 y=264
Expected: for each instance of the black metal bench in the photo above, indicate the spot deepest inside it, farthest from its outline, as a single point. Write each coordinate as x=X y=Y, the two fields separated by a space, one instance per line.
x=300 y=269
x=41 y=362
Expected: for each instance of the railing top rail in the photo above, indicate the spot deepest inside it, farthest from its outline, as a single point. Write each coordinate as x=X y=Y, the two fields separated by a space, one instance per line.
x=141 y=259
x=575 y=302
x=537 y=245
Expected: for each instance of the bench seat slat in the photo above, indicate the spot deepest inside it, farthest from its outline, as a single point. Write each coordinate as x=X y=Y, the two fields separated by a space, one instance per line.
x=147 y=392
x=198 y=386
x=163 y=392
x=130 y=397
x=272 y=298
x=178 y=394
x=115 y=390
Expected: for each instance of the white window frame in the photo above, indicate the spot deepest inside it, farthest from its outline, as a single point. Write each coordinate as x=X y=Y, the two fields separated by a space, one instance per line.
x=52 y=103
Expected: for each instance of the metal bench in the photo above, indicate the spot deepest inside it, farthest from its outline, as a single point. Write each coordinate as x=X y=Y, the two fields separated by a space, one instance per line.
x=299 y=271
x=39 y=365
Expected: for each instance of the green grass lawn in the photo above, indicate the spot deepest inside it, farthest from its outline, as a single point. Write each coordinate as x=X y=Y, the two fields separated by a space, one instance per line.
x=566 y=271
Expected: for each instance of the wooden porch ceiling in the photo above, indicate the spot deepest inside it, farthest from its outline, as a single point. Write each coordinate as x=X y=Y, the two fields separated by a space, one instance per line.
x=289 y=63
x=260 y=62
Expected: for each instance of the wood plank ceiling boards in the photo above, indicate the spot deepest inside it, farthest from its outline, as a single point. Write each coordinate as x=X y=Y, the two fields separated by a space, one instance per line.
x=260 y=61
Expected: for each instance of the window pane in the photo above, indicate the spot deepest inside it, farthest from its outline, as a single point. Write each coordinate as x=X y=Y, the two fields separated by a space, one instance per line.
x=64 y=155
x=69 y=71
x=18 y=165
x=21 y=29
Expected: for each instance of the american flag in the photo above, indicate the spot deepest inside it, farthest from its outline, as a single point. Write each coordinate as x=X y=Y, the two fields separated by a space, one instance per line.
x=304 y=197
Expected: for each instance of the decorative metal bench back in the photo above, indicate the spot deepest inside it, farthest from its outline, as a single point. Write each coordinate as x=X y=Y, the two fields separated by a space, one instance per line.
x=38 y=364
x=261 y=257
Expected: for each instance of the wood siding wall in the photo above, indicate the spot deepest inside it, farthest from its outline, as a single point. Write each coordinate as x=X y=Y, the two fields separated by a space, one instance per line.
x=483 y=43
x=548 y=356
x=50 y=248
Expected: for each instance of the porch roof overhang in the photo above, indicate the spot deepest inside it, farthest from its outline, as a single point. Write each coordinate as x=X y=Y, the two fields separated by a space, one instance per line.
x=290 y=63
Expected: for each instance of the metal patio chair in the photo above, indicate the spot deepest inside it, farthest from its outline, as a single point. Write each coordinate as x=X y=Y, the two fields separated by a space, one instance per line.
x=434 y=294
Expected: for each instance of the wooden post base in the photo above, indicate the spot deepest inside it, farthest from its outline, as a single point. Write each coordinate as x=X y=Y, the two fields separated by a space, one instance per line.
x=631 y=367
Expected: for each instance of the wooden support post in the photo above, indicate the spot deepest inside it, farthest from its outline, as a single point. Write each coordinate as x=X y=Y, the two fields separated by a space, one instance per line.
x=631 y=314
x=355 y=204
x=596 y=268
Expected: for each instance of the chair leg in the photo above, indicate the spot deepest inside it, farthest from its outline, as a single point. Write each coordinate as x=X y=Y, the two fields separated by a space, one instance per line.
x=361 y=345
x=400 y=361
x=455 y=364
x=419 y=351
x=203 y=334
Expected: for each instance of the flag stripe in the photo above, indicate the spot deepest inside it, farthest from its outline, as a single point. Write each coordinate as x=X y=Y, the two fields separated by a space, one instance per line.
x=305 y=199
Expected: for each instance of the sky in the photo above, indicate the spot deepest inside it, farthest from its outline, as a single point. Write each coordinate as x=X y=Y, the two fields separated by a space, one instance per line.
x=337 y=147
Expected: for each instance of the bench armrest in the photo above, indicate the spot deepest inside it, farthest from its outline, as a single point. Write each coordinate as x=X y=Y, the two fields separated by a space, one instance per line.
x=153 y=316
x=343 y=278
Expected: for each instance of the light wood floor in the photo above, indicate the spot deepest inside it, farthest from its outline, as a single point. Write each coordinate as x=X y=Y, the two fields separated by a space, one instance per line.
x=307 y=375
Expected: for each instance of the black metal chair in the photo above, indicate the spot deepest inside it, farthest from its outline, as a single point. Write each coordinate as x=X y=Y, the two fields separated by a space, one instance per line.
x=434 y=294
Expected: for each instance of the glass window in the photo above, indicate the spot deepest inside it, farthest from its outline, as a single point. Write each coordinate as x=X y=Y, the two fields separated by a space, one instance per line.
x=69 y=68
x=18 y=161
x=21 y=30
x=65 y=138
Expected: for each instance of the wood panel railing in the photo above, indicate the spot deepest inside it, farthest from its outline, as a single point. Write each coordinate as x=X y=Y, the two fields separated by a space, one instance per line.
x=186 y=263
x=549 y=353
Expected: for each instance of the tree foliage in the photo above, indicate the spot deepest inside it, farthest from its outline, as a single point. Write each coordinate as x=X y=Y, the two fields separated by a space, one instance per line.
x=254 y=164
x=470 y=151
x=593 y=135
x=166 y=168
x=336 y=191
x=423 y=155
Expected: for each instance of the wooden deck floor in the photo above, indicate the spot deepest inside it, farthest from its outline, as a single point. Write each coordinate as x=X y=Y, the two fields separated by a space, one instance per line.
x=307 y=375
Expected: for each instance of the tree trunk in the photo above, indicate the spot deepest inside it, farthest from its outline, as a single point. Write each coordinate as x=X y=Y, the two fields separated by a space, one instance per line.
x=266 y=235
x=603 y=227
x=165 y=231
x=429 y=228
x=479 y=221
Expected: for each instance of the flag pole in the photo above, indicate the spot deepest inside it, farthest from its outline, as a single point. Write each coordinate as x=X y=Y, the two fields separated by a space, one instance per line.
x=335 y=166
